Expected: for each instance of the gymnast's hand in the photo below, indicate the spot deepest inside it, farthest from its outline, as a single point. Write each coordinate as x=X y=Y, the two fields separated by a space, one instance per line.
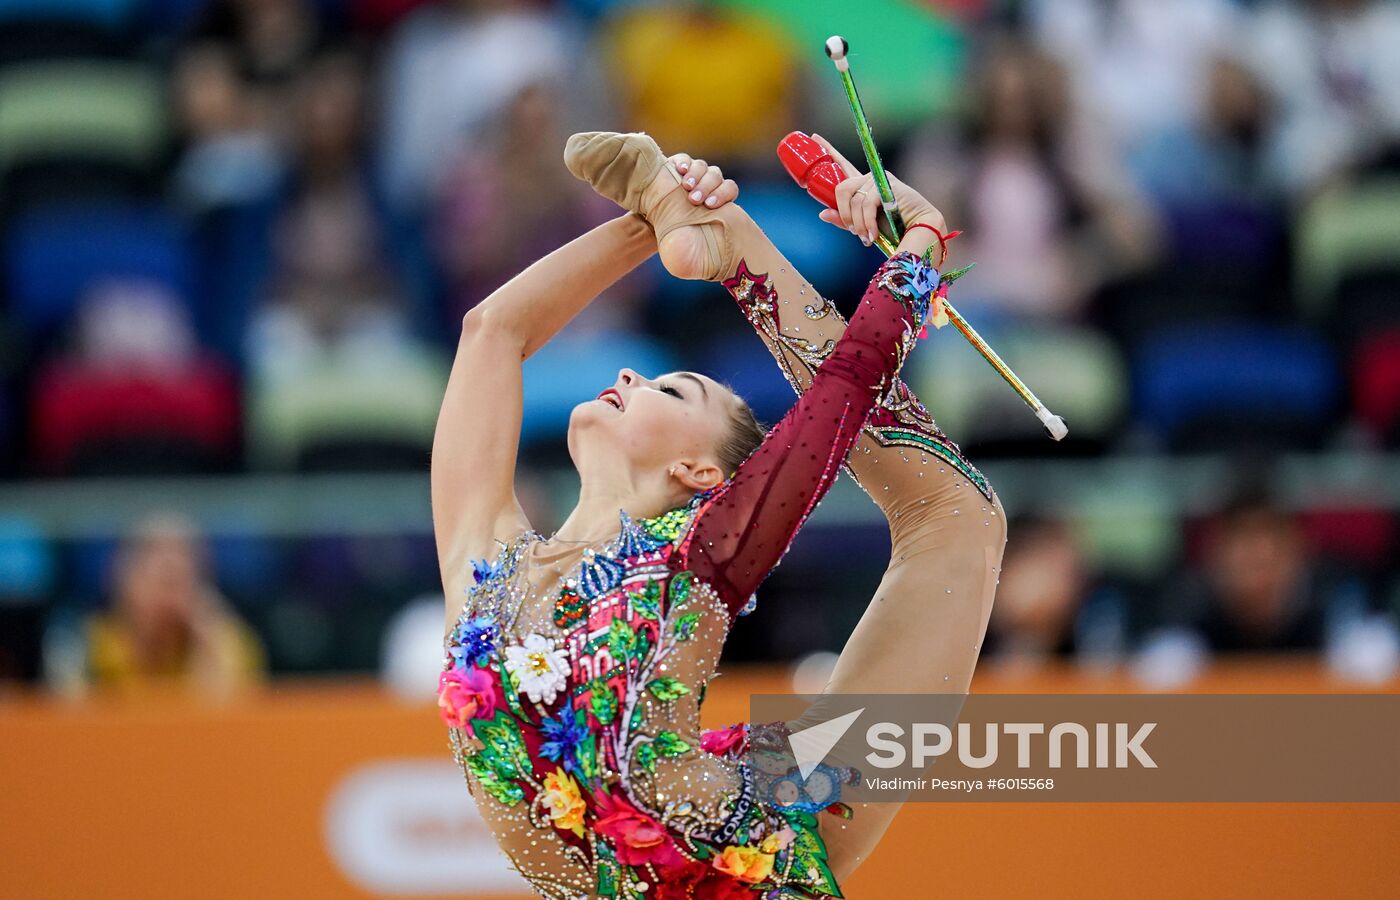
x=705 y=184
x=858 y=201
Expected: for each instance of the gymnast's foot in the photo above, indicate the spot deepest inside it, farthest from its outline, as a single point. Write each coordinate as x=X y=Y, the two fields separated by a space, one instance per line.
x=631 y=170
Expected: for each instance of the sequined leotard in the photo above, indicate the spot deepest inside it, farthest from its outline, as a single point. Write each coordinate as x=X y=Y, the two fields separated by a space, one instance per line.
x=572 y=693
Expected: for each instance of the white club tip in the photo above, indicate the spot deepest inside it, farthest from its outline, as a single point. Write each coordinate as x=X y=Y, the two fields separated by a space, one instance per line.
x=836 y=48
x=1054 y=425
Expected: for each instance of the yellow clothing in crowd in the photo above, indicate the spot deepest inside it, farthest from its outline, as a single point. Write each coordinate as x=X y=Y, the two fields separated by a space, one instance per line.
x=721 y=83
x=233 y=658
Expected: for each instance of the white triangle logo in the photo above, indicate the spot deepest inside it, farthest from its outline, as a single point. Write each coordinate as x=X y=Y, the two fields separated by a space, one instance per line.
x=811 y=745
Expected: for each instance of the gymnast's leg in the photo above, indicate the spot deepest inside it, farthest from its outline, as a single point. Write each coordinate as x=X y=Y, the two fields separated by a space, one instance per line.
x=922 y=631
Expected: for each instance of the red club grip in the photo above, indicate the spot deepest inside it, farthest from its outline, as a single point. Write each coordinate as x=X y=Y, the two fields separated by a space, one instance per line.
x=811 y=167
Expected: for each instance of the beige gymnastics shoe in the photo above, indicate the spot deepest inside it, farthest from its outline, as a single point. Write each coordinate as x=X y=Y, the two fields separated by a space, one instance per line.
x=631 y=171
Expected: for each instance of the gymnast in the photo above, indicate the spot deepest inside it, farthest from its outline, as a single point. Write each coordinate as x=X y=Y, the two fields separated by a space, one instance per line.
x=576 y=664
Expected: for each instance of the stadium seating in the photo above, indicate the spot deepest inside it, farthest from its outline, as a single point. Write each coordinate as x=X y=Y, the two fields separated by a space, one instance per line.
x=170 y=15
x=1361 y=536
x=1218 y=387
x=91 y=421
x=347 y=413
x=1366 y=301
x=27 y=564
x=112 y=14
x=102 y=111
x=33 y=41
x=1348 y=231
x=742 y=361
x=1129 y=526
x=55 y=254
x=1077 y=372
x=1376 y=382
x=28 y=575
x=1135 y=310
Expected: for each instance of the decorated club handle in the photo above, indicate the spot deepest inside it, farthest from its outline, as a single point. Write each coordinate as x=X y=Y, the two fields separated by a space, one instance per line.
x=813 y=168
x=837 y=48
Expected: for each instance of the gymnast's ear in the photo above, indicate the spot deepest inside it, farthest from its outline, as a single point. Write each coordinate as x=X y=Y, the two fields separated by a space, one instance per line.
x=696 y=476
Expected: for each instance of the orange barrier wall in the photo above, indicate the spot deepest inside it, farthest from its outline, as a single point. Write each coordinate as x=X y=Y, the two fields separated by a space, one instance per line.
x=335 y=789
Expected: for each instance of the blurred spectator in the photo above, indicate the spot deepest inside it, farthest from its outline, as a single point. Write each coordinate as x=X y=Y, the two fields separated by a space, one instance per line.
x=1333 y=66
x=697 y=75
x=270 y=40
x=333 y=282
x=1136 y=66
x=451 y=69
x=1258 y=586
x=1223 y=210
x=508 y=201
x=1049 y=215
x=1050 y=602
x=1216 y=156
x=166 y=623
x=240 y=64
x=232 y=156
x=340 y=377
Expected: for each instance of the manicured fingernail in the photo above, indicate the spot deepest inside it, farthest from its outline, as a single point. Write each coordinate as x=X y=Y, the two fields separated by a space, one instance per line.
x=682 y=167
x=711 y=200
x=690 y=182
x=865 y=240
x=695 y=195
x=871 y=235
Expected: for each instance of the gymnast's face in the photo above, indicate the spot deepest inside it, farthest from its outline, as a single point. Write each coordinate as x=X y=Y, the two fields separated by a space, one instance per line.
x=653 y=424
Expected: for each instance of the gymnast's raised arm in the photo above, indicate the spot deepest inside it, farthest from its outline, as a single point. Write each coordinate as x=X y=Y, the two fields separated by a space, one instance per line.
x=478 y=428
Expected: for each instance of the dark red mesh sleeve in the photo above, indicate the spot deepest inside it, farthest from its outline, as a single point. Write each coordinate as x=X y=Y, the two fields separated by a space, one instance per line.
x=742 y=531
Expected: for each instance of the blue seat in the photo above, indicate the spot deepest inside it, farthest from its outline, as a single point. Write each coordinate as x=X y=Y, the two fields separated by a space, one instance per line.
x=244 y=563
x=7 y=428
x=1217 y=387
x=744 y=363
x=56 y=254
x=112 y=14
x=247 y=563
x=27 y=564
x=86 y=564
x=170 y=16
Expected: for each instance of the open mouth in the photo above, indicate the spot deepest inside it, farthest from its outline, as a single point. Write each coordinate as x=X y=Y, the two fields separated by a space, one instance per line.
x=612 y=397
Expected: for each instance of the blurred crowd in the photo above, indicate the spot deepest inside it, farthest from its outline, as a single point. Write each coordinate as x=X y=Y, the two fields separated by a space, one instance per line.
x=240 y=235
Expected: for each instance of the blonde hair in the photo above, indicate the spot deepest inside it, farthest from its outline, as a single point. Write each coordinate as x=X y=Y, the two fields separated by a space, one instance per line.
x=744 y=436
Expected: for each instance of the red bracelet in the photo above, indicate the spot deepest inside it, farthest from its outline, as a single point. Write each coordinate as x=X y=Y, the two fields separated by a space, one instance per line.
x=942 y=240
